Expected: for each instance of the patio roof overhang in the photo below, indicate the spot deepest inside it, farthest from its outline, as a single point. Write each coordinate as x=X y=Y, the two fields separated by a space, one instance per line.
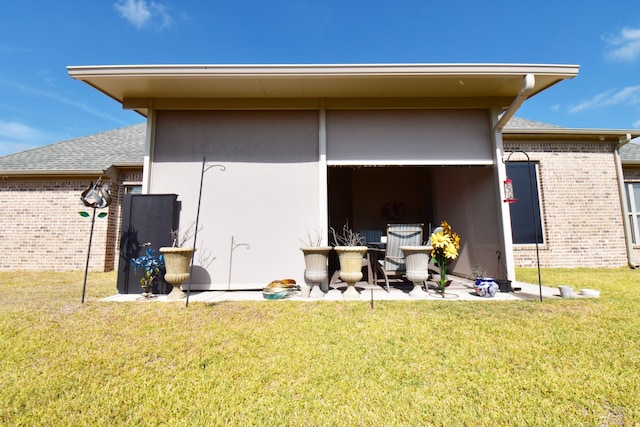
x=139 y=86
x=571 y=134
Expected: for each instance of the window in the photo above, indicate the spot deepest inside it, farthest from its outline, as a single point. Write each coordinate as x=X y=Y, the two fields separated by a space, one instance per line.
x=132 y=189
x=633 y=207
x=523 y=212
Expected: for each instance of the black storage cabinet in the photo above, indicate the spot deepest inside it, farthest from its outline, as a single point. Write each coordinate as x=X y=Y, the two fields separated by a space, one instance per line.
x=145 y=218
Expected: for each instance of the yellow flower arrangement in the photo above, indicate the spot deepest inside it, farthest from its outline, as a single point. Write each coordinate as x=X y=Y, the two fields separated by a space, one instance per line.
x=446 y=246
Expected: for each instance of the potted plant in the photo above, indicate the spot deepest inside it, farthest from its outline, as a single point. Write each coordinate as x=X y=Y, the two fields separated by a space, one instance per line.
x=316 y=261
x=416 y=259
x=351 y=249
x=484 y=286
x=446 y=245
x=152 y=266
x=178 y=262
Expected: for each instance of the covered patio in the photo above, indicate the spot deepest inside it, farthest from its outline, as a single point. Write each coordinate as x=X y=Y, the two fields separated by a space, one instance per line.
x=308 y=146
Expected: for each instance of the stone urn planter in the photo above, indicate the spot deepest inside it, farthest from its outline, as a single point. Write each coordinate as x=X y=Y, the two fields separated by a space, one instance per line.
x=316 y=262
x=351 y=268
x=177 y=266
x=417 y=262
x=486 y=287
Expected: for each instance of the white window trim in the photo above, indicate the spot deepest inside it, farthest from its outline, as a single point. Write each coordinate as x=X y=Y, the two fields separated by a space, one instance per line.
x=633 y=213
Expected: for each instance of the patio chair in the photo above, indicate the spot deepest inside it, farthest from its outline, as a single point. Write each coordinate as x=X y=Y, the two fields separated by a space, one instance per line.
x=372 y=238
x=398 y=235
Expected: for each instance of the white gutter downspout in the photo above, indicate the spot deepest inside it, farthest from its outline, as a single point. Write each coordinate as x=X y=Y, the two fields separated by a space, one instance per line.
x=527 y=87
x=625 y=212
x=501 y=171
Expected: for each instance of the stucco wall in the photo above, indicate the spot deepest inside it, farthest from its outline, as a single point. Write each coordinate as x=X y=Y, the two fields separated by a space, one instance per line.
x=267 y=198
x=466 y=199
x=405 y=137
x=581 y=214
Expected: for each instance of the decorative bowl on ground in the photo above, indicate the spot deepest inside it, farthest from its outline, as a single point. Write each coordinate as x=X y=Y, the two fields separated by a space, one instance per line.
x=486 y=287
x=279 y=289
x=276 y=293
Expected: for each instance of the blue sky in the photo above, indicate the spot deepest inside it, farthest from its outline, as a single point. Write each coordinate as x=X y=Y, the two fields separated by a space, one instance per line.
x=40 y=104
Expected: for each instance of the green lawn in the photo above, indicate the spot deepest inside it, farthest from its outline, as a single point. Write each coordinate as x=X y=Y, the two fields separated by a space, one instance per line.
x=477 y=363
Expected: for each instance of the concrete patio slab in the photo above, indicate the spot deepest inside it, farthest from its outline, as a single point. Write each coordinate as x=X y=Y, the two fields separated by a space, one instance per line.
x=460 y=290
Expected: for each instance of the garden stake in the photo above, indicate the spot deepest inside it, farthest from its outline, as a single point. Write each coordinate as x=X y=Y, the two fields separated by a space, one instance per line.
x=86 y=268
x=533 y=214
x=234 y=246
x=195 y=234
x=96 y=197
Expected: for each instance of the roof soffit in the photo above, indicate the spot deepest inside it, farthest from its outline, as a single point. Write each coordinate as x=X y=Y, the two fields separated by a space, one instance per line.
x=318 y=81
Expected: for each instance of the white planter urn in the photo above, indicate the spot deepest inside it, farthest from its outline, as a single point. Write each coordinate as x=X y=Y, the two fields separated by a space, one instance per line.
x=351 y=268
x=177 y=263
x=417 y=262
x=316 y=262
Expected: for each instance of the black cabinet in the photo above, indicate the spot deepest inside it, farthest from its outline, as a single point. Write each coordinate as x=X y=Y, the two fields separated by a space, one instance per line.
x=146 y=218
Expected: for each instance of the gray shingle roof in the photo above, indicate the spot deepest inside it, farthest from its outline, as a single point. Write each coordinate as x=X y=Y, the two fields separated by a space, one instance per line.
x=630 y=152
x=126 y=146
x=519 y=123
x=95 y=152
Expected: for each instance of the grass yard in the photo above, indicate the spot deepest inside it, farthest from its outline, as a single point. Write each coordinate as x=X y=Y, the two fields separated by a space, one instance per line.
x=427 y=362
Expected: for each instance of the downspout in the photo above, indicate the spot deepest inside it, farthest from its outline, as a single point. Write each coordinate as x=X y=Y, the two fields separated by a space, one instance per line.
x=527 y=87
x=625 y=212
x=501 y=173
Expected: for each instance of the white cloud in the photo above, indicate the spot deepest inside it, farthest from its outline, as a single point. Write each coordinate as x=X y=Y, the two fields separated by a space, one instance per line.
x=625 y=46
x=10 y=147
x=141 y=13
x=18 y=131
x=15 y=137
x=63 y=99
x=626 y=96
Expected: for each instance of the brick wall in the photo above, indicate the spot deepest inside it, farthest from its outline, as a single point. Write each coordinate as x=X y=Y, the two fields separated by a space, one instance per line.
x=41 y=228
x=581 y=210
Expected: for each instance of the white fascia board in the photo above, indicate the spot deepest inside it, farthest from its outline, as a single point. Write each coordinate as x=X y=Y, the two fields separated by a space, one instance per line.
x=323 y=70
x=572 y=132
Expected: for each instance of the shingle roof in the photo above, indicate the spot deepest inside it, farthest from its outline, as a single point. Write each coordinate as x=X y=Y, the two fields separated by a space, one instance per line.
x=95 y=152
x=520 y=123
x=125 y=145
x=630 y=152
